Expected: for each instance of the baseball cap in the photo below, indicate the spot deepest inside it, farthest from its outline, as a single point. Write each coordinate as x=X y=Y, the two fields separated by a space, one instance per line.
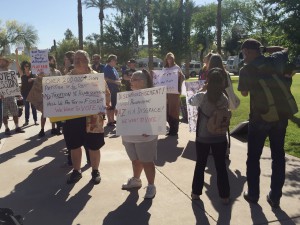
x=251 y=44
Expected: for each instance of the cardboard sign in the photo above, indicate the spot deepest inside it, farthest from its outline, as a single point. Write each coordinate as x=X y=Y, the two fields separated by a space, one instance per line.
x=142 y=112
x=73 y=95
x=9 y=84
x=39 y=62
x=35 y=95
x=191 y=89
x=168 y=78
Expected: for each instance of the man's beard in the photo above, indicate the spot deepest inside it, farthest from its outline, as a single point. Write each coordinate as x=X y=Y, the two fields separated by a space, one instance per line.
x=52 y=65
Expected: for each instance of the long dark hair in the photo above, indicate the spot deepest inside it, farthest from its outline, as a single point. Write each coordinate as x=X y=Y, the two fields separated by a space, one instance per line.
x=215 y=85
x=24 y=63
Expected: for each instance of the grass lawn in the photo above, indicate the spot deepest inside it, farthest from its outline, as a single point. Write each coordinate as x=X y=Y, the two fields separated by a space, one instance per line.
x=292 y=140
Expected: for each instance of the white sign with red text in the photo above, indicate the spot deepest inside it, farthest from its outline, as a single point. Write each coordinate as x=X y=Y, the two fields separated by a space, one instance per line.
x=39 y=61
x=142 y=112
x=73 y=95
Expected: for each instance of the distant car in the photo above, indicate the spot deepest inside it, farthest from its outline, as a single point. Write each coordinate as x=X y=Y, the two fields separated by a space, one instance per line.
x=194 y=68
x=232 y=65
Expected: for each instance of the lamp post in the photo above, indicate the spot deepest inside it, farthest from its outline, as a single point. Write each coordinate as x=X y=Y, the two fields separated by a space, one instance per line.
x=219 y=27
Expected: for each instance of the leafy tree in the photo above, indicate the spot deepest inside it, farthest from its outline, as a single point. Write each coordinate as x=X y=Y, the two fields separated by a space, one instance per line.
x=118 y=38
x=92 y=44
x=287 y=19
x=13 y=33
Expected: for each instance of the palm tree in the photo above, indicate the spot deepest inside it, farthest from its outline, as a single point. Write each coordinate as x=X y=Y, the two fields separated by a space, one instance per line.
x=219 y=27
x=80 y=26
x=150 y=35
x=101 y=5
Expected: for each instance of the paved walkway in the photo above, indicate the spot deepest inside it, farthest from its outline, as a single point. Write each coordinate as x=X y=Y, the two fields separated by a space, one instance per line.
x=33 y=184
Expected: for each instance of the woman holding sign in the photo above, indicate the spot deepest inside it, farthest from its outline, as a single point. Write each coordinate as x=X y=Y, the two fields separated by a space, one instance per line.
x=87 y=130
x=141 y=149
x=173 y=100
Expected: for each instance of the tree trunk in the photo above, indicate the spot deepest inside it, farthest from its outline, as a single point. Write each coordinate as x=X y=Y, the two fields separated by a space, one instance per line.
x=80 y=26
x=150 y=39
x=101 y=18
x=219 y=28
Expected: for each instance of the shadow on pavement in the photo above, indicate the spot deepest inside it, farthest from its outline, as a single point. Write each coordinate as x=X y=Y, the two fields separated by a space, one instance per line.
x=129 y=212
x=199 y=212
x=167 y=150
x=236 y=182
x=44 y=197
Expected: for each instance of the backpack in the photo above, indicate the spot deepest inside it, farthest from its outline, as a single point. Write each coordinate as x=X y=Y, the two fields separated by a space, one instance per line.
x=218 y=123
x=271 y=95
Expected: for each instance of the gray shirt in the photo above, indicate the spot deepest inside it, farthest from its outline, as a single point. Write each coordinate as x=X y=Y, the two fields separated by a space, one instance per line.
x=200 y=99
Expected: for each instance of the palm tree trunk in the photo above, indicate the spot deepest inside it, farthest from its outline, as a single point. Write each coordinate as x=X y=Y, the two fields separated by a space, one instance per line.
x=219 y=27
x=80 y=26
x=150 y=35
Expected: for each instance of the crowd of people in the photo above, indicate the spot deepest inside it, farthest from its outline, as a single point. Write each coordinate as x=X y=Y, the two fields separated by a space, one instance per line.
x=88 y=131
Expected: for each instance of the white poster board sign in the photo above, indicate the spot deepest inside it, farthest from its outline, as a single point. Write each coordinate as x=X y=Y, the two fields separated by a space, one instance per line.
x=142 y=112
x=73 y=95
x=9 y=84
x=192 y=111
x=39 y=61
x=167 y=78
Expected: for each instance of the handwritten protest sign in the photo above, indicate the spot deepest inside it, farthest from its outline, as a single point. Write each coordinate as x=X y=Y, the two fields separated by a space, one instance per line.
x=9 y=84
x=142 y=112
x=35 y=95
x=39 y=61
x=191 y=89
x=167 y=78
x=73 y=95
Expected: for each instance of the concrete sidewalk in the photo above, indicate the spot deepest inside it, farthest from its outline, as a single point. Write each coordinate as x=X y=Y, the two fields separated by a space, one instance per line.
x=33 y=184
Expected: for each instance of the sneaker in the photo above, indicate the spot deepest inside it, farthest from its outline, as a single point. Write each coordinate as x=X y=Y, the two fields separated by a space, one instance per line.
x=96 y=177
x=150 y=192
x=42 y=133
x=132 y=183
x=18 y=130
x=25 y=124
x=194 y=196
x=273 y=204
x=74 y=177
x=7 y=131
x=36 y=123
x=250 y=199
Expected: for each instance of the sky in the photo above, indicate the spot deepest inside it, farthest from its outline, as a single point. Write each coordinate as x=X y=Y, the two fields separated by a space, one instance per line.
x=52 y=18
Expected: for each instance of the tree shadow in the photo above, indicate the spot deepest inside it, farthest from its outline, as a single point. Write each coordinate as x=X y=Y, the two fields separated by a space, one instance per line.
x=129 y=212
x=236 y=182
x=44 y=197
x=167 y=150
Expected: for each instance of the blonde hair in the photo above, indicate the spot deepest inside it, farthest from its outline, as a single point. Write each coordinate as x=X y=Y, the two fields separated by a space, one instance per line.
x=169 y=55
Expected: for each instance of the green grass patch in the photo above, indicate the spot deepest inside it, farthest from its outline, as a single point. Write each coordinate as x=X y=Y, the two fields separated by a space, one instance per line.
x=292 y=139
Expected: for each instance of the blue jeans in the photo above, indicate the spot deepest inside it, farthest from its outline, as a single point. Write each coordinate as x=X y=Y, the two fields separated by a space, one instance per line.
x=27 y=108
x=258 y=131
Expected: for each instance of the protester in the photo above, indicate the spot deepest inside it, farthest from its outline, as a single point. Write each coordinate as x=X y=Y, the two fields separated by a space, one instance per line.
x=68 y=61
x=204 y=70
x=112 y=78
x=27 y=79
x=208 y=102
x=259 y=129
x=85 y=130
x=53 y=72
x=9 y=104
x=173 y=100
x=128 y=73
x=97 y=66
x=141 y=149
